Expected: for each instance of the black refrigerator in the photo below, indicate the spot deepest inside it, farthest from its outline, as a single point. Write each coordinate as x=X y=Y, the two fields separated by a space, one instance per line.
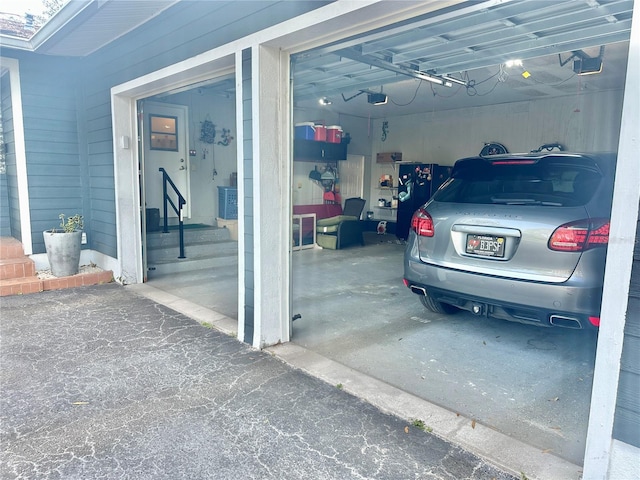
x=416 y=183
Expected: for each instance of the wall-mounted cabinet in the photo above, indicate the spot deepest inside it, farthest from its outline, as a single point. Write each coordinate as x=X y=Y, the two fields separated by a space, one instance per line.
x=314 y=151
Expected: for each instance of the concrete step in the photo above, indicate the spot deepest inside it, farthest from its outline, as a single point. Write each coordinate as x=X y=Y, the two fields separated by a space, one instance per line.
x=193 y=250
x=191 y=236
x=177 y=265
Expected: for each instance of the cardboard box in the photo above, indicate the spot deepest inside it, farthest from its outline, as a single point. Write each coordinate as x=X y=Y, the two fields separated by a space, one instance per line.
x=231 y=225
x=389 y=157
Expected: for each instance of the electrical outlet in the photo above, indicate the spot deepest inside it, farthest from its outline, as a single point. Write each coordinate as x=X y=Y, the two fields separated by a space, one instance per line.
x=84 y=238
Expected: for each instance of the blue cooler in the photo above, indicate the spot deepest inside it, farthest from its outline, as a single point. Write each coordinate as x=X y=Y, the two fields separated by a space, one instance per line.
x=305 y=131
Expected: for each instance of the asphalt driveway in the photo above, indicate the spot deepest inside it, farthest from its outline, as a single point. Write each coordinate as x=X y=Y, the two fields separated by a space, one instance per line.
x=98 y=382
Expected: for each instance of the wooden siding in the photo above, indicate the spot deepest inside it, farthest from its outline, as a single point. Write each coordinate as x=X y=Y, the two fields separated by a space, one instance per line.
x=5 y=224
x=48 y=88
x=249 y=267
x=626 y=426
x=11 y=212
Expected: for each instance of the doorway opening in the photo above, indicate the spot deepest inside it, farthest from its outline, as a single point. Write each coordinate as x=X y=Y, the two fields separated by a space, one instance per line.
x=188 y=193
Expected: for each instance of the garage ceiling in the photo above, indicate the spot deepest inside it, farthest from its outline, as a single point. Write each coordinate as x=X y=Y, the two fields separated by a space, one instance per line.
x=469 y=43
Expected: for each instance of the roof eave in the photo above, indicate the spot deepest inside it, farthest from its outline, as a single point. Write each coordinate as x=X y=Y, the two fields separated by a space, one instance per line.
x=71 y=13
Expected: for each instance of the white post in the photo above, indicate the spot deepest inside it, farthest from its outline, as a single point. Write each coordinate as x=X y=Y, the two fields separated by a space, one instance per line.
x=271 y=197
x=618 y=273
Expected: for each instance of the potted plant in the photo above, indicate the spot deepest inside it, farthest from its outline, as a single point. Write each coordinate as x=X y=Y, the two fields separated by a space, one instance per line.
x=63 y=245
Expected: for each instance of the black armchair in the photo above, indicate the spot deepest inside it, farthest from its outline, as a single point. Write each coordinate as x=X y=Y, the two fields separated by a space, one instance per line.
x=342 y=230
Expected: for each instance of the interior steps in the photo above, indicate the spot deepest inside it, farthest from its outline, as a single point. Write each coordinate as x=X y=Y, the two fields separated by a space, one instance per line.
x=205 y=247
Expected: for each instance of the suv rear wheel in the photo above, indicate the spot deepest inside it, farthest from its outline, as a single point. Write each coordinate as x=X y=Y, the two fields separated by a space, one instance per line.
x=436 y=306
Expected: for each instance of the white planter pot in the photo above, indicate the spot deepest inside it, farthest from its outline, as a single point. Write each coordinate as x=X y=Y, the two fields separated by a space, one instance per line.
x=63 y=251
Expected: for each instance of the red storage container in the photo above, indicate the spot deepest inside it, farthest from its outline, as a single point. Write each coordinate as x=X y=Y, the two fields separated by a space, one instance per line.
x=320 y=134
x=334 y=134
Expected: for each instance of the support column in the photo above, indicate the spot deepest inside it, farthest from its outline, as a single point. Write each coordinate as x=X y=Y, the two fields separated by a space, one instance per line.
x=600 y=444
x=271 y=194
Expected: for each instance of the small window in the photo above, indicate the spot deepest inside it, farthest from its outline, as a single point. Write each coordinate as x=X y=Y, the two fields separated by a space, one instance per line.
x=163 y=133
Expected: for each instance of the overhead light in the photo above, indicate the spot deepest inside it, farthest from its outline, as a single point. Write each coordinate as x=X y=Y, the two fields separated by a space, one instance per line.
x=429 y=78
x=448 y=80
x=513 y=63
x=324 y=101
x=377 y=98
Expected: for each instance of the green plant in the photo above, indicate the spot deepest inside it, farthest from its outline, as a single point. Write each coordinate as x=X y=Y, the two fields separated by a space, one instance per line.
x=72 y=224
x=421 y=425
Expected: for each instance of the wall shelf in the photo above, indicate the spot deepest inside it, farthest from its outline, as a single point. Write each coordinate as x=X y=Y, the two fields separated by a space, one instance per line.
x=313 y=151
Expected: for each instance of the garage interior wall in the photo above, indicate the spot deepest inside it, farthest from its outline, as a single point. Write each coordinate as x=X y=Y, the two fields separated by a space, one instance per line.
x=583 y=122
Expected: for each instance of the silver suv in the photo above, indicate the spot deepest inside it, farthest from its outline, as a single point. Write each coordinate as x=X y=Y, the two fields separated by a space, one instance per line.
x=516 y=237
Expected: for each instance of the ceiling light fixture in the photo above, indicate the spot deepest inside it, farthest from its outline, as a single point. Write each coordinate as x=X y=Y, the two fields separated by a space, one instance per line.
x=449 y=79
x=324 y=101
x=513 y=63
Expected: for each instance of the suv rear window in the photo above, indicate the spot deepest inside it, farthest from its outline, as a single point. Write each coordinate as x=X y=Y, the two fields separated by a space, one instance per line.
x=546 y=181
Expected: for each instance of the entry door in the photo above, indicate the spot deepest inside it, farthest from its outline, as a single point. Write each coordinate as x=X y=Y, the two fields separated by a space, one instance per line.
x=165 y=145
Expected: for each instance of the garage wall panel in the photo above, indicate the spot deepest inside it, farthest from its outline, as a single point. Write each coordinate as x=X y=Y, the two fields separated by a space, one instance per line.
x=626 y=427
x=443 y=137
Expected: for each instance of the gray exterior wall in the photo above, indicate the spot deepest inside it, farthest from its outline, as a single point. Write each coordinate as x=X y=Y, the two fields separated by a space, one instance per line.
x=249 y=282
x=9 y=187
x=181 y=32
x=50 y=119
x=626 y=427
x=5 y=223
x=67 y=107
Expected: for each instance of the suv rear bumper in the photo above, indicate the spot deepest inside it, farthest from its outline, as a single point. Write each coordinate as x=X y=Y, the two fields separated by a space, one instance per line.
x=536 y=303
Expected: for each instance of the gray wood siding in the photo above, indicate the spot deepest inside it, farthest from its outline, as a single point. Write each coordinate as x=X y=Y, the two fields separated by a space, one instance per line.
x=11 y=213
x=627 y=418
x=5 y=224
x=249 y=267
x=51 y=142
x=181 y=32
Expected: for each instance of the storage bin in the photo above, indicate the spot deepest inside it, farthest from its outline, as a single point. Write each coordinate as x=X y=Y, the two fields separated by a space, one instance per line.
x=228 y=202
x=305 y=131
x=320 y=134
x=231 y=225
x=334 y=134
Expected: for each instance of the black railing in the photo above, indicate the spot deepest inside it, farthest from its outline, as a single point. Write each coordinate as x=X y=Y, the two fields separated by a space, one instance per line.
x=167 y=200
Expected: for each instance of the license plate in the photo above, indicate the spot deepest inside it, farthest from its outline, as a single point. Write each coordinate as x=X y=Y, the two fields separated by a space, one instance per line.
x=486 y=245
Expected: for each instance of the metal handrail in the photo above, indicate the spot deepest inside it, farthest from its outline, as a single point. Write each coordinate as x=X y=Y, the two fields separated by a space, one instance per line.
x=181 y=202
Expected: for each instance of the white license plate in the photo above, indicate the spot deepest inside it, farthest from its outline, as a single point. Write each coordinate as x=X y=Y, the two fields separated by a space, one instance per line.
x=485 y=245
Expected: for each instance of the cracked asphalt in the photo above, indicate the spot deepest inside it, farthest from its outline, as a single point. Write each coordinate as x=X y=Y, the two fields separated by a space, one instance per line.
x=98 y=382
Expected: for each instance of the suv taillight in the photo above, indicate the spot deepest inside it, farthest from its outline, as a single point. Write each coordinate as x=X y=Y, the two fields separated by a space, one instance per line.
x=580 y=235
x=422 y=224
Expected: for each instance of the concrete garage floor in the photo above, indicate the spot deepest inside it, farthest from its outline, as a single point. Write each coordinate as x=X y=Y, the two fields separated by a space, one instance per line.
x=532 y=384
